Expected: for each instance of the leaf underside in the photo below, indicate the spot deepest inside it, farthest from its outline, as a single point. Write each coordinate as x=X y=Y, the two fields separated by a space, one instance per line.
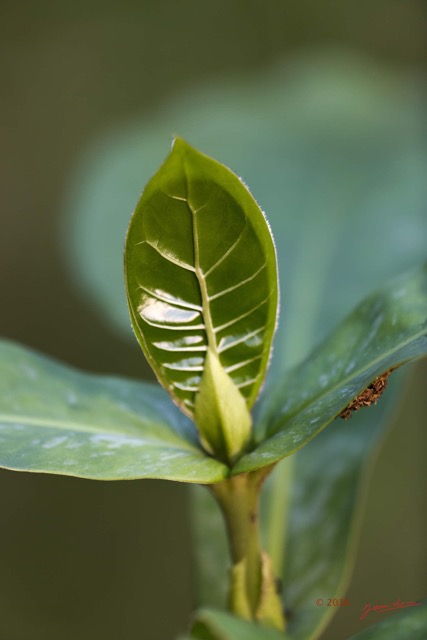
x=201 y=272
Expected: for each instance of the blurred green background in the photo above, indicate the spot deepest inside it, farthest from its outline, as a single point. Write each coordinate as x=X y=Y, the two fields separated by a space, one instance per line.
x=86 y=559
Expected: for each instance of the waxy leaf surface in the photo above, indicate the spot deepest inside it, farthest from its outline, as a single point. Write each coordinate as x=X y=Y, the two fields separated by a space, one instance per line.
x=56 y=420
x=201 y=272
x=386 y=330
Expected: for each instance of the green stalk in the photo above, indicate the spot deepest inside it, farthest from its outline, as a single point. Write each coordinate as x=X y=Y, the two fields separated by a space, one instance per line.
x=252 y=593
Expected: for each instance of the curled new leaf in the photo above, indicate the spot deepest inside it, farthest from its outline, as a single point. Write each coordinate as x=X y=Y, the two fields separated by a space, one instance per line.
x=201 y=274
x=221 y=414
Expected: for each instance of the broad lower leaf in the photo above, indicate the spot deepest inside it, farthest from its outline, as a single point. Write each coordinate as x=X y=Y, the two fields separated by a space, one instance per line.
x=217 y=625
x=56 y=420
x=404 y=625
x=386 y=330
x=201 y=272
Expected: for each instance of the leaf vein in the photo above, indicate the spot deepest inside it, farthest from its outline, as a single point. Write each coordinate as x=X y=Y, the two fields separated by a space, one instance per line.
x=227 y=253
x=239 y=365
x=243 y=338
x=168 y=257
x=174 y=303
x=239 y=284
x=244 y=315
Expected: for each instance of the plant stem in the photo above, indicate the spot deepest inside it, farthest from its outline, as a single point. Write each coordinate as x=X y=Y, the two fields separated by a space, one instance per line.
x=253 y=593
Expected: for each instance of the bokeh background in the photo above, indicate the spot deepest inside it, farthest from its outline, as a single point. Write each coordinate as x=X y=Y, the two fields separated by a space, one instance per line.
x=112 y=560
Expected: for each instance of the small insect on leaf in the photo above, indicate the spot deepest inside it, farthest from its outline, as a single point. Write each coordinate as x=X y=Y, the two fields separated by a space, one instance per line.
x=368 y=396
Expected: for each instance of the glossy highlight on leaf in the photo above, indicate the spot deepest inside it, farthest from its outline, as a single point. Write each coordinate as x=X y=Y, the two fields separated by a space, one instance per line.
x=201 y=272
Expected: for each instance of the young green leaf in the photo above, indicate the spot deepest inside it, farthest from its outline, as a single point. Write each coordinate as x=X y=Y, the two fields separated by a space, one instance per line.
x=221 y=413
x=201 y=273
x=386 y=330
x=56 y=420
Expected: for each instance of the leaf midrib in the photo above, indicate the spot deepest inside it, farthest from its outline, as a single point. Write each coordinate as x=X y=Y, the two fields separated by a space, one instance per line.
x=207 y=317
x=48 y=423
x=209 y=328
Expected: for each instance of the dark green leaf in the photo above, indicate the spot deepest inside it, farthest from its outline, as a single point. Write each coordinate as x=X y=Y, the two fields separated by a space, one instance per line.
x=329 y=481
x=386 y=330
x=56 y=420
x=217 y=625
x=404 y=625
x=201 y=272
